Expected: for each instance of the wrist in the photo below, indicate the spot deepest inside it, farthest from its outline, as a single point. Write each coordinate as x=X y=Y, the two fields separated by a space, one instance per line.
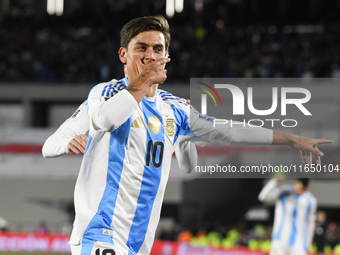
x=281 y=138
x=291 y=139
x=140 y=86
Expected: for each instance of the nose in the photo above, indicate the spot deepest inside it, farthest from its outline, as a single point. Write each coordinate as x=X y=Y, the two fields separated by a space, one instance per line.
x=149 y=56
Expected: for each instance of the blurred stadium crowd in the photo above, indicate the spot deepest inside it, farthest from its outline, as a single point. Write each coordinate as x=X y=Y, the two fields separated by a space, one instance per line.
x=68 y=53
x=257 y=238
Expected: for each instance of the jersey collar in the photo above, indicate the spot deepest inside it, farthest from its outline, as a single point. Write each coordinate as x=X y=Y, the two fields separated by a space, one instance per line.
x=125 y=81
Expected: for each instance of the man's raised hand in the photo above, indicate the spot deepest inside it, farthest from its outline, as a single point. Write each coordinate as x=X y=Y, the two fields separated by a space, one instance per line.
x=153 y=70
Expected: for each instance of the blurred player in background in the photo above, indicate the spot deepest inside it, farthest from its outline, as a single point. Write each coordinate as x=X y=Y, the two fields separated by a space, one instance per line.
x=320 y=231
x=294 y=220
x=134 y=129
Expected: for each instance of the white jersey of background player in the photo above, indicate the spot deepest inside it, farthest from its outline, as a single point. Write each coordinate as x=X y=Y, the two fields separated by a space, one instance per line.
x=71 y=136
x=134 y=129
x=294 y=220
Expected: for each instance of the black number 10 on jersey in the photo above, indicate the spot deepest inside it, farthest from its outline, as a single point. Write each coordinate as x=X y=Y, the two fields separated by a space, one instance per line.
x=152 y=151
x=105 y=252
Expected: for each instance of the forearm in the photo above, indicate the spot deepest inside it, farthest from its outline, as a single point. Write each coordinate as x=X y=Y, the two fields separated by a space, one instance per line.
x=140 y=87
x=56 y=146
x=251 y=135
x=235 y=132
x=112 y=113
x=208 y=129
x=267 y=194
x=280 y=138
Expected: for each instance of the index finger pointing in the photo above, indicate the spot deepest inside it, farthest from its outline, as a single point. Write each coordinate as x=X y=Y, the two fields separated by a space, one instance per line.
x=320 y=141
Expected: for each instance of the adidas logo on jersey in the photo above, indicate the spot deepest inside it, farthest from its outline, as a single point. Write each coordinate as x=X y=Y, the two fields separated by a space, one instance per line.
x=137 y=123
x=108 y=232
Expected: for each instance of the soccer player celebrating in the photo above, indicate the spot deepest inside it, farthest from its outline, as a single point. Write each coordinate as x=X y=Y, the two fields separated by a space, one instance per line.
x=294 y=220
x=134 y=129
x=71 y=136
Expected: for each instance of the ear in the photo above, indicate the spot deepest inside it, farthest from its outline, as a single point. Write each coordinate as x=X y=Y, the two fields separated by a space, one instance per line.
x=122 y=54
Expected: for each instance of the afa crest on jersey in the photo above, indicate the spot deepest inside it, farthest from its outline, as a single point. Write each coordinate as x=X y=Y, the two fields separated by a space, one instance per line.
x=75 y=114
x=170 y=127
x=154 y=125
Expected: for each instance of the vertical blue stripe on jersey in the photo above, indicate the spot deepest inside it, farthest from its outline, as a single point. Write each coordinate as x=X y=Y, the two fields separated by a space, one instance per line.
x=103 y=218
x=306 y=225
x=150 y=182
x=88 y=143
x=125 y=81
x=86 y=246
x=104 y=90
x=279 y=231
x=109 y=90
x=182 y=120
x=294 y=222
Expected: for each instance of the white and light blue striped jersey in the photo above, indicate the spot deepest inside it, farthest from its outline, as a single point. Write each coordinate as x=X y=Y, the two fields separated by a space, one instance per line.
x=294 y=218
x=121 y=183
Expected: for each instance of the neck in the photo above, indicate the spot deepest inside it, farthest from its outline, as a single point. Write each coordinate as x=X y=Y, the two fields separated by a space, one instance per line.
x=152 y=91
x=299 y=193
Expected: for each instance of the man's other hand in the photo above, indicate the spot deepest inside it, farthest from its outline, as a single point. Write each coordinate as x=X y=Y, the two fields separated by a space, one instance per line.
x=78 y=144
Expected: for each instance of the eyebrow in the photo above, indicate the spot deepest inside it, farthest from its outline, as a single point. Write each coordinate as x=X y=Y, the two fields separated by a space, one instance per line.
x=145 y=44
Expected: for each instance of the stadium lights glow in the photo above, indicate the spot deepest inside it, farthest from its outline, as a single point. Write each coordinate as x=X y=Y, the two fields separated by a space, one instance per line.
x=172 y=5
x=179 y=5
x=55 y=7
x=170 y=8
x=51 y=7
x=59 y=7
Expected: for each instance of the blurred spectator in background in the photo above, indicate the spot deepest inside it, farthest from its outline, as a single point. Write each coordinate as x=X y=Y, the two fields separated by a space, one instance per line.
x=46 y=53
x=169 y=234
x=321 y=226
x=333 y=234
x=256 y=238
x=3 y=225
x=184 y=236
x=42 y=228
